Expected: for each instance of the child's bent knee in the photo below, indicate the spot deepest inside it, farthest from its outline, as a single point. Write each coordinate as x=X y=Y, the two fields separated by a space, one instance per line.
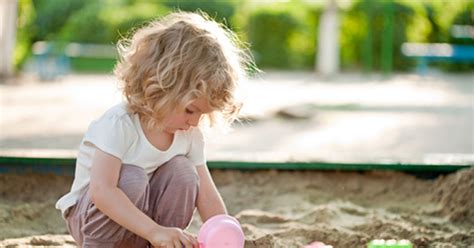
x=183 y=171
x=133 y=182
x=179 y=160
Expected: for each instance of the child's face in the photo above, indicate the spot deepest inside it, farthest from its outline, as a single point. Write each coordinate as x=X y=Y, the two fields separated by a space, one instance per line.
x=190 y=116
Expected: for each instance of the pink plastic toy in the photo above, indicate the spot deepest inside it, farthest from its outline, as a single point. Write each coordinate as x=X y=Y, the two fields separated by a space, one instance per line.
x=221 y=231
x=318 y=244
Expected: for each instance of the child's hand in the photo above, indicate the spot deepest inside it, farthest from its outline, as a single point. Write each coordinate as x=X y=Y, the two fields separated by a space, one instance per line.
x=170 y=237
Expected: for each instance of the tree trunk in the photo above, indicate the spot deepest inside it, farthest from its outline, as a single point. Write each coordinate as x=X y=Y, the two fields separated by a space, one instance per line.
x=8 y=16
x=328 y=47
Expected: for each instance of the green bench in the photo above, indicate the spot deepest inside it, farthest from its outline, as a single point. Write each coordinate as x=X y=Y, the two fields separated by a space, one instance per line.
x=427 y=52
x=54 y=59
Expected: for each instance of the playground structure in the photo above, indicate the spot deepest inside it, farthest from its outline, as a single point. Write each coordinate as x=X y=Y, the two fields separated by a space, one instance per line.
x=425 y=53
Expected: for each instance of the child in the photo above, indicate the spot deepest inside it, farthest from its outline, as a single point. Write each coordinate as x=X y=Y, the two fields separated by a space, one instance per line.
x=141 y=170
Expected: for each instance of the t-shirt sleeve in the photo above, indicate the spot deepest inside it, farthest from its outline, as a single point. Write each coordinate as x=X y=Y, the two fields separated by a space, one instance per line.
x=196 y=152
x=111 y=134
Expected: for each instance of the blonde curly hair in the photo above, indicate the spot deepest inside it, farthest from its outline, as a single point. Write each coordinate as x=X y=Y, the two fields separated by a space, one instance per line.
x=170 y=62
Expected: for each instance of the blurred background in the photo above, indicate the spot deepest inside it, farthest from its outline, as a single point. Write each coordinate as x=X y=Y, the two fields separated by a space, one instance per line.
x=340 y=80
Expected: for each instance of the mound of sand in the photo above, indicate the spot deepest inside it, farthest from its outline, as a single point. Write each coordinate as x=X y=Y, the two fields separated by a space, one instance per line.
x=344 y=209
x=283 y=209
x=40 y=241
x=455 y=193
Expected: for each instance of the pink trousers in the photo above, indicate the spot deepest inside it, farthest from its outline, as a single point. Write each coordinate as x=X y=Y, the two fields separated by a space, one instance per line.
x=168 y=197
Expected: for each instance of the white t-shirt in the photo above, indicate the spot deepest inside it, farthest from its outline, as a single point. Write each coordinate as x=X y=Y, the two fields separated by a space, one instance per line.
x=120 y=134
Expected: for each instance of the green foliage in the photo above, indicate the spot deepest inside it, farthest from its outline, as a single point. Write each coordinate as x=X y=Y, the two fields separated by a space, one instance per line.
x=433 y=23
x=86 y=25
x=217 y=9
x=269 y=34
x=363 y=28
x=282 y=36
x=106 y=23
x=26 y=15
x=52 y=15
x=466 y=17
x=122 y=20
x=304 y=39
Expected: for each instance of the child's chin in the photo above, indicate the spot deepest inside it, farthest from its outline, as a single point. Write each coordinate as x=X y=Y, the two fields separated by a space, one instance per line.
x=174 y=130
x=170 y=130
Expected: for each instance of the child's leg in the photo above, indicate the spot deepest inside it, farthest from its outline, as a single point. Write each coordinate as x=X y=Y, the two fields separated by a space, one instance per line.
x=173 y=193
x=91 y=228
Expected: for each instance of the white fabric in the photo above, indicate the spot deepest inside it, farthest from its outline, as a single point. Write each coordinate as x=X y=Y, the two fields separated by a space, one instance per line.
x=120 y=134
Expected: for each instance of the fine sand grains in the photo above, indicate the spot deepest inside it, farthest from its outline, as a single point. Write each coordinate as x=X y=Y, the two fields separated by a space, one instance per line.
x=284 y=208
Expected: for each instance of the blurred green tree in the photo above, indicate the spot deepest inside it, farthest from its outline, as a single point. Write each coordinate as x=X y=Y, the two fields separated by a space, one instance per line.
x=282 y=35
x=216 y=9
x=100 y=22
x=51 y=16
x=362 y=32
x=24 y=39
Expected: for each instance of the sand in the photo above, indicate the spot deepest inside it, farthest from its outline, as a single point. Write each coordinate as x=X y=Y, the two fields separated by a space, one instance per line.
x=283 y=208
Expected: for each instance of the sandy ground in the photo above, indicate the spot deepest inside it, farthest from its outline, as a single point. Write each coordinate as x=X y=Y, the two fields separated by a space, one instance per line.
x=283 y=208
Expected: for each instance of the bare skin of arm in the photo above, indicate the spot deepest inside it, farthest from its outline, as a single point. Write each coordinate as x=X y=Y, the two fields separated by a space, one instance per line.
x=113 y=202
x=209 y=202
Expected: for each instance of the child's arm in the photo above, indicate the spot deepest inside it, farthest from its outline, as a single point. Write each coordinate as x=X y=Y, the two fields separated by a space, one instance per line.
x=113 y=202
x=209 y=202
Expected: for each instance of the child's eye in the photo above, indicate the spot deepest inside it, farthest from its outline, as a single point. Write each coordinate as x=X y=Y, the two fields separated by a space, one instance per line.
x=188 y=111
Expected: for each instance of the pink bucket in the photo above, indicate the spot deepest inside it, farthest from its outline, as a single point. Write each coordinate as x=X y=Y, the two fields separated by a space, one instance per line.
x=221 y=231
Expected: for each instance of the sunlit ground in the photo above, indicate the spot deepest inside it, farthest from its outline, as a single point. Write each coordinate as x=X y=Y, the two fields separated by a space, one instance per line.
x=289 y=116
